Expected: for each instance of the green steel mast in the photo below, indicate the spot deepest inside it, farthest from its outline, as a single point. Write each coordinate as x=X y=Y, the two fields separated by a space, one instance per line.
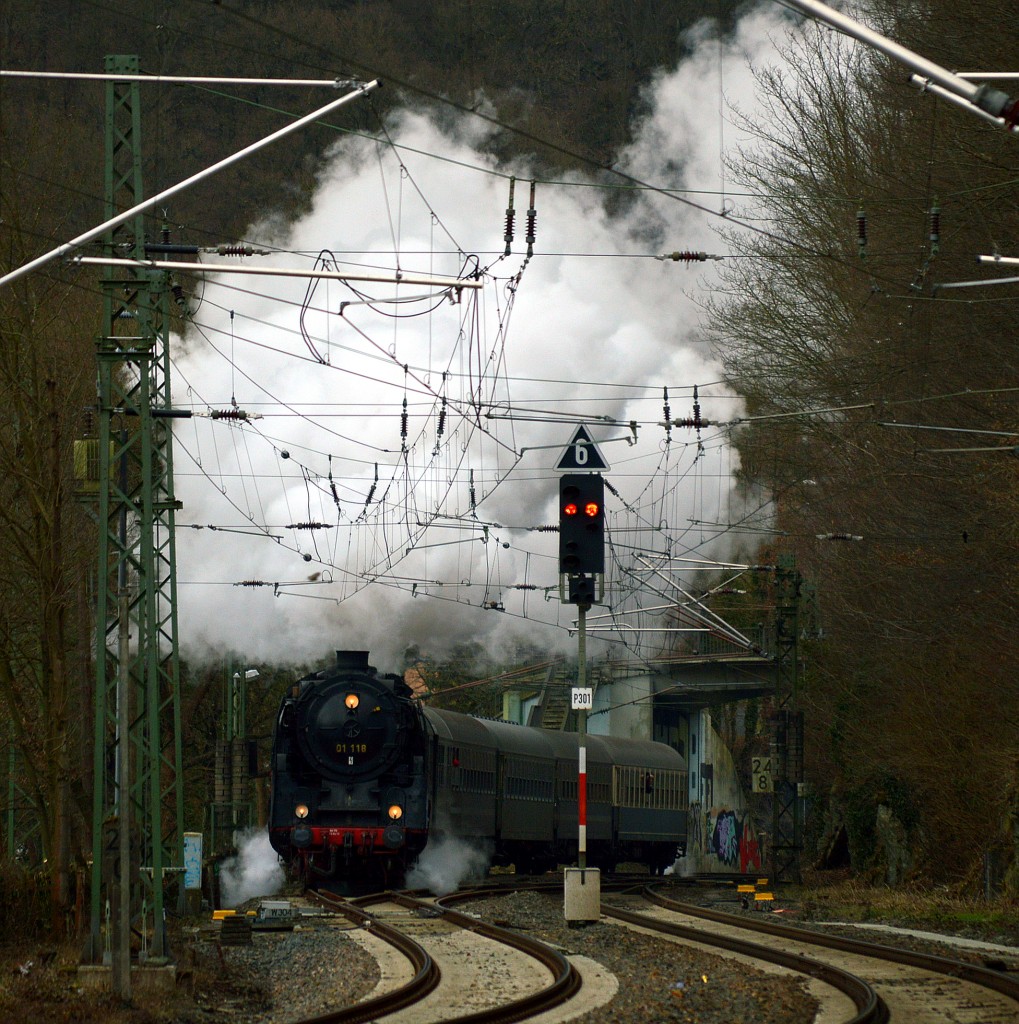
x=137 y=741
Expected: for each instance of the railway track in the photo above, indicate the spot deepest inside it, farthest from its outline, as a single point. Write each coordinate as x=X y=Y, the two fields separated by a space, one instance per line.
x=448 y=961
x=879 y=983
x=912 y=987
x=422 y=932
x=860 y=1004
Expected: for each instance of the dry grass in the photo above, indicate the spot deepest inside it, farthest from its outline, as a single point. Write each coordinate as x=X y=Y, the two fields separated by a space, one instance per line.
x=39 y=984
x=933 y=908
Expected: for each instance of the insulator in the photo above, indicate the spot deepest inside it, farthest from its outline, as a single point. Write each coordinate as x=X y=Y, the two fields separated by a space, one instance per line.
x=253 y=583
x=308 y=526
x=332 y=486
x=228 y=414
x=935 y=228
x=543 y=529
x=235 y=250
x=667 y=409
x=686 y=256
x=510 y=217
x=696 y=409
x=861 y=231
x=371 y=492
x=523 y=586
x=474 y=502
x=403 y=421
x=532 y=219
x=178 y=296
x=441 y=428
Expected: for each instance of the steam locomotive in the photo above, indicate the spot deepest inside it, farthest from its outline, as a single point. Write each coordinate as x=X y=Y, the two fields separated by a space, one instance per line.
x=363 y=774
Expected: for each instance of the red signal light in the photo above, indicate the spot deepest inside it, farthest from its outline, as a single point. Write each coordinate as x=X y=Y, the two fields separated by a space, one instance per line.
x=570 y=508
x=591 y=509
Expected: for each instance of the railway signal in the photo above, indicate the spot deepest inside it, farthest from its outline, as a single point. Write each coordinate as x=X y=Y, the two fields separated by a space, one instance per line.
x=581 y=559
x=581 y=524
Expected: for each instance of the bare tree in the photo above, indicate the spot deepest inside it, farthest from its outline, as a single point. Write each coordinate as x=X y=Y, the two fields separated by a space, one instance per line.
x=47 y=375
x=869 y=196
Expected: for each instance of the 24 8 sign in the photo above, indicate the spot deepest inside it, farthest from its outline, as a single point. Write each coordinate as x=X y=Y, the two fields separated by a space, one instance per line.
x=760 y=769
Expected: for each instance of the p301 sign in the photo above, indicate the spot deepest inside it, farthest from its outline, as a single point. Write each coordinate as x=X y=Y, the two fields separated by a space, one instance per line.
x=581 y=698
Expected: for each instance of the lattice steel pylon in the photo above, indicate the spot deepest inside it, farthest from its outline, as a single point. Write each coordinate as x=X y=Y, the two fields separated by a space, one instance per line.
x=137 y=699
x=787 y=737
x=21 y=826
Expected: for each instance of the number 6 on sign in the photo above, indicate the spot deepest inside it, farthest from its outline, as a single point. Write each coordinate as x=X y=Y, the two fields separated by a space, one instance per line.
x=580 y=453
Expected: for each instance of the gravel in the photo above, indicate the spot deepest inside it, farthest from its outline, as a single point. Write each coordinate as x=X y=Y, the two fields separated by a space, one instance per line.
x=284 y=976
x=659 y=981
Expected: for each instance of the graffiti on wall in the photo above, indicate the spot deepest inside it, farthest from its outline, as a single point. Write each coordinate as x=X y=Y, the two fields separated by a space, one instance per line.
x=732 y=839
x=695 y=830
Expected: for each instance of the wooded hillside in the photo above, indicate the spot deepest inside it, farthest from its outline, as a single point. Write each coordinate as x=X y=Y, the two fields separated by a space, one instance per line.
x=898 y=496
x=893 y=482
x=569 y=73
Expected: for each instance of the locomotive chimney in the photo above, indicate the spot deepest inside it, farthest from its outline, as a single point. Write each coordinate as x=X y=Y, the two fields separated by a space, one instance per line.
x=352 y=660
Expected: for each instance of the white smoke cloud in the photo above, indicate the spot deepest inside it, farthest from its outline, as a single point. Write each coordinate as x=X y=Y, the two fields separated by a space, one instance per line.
x=445 y=864
x=253 y=871
x=595 y=335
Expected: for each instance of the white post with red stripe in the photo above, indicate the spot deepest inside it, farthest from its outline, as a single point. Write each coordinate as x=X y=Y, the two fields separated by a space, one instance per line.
x=582 y=800
x=581 y=701
x=582 y=885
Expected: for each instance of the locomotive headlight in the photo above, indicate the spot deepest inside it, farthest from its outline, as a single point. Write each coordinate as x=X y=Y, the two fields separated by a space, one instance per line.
x=301 y=810
x=352 y=700
x=395 y=812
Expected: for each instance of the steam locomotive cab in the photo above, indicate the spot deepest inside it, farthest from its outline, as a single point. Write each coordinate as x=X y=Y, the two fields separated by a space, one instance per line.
x=349 y=789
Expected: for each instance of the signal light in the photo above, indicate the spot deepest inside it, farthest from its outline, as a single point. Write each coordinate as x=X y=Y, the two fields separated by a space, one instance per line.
x=581 y=591
x=581 y=523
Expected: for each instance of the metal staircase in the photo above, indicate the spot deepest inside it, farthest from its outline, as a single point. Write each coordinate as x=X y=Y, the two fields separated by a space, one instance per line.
x=553 y=708
x=555 y=699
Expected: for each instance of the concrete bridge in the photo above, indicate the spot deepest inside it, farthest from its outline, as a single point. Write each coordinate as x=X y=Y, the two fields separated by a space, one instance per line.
x=630 y=694
x=668 y=699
